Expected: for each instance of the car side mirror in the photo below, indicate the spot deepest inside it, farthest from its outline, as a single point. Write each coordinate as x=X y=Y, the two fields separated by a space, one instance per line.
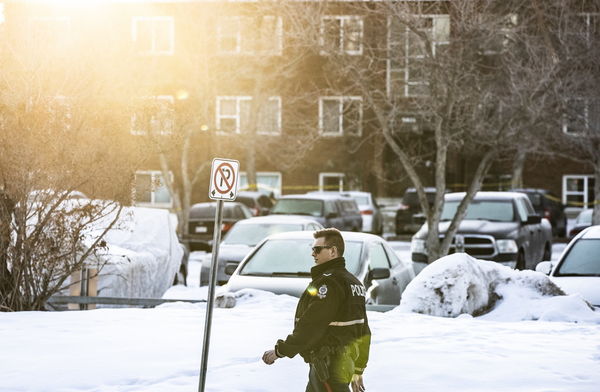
x=230 y=268
x=379 y=273
x=545 y=267
x=332 y=215
x=533 y=219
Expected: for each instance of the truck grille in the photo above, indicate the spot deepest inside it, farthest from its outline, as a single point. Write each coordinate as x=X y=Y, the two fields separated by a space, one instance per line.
x=475 y=245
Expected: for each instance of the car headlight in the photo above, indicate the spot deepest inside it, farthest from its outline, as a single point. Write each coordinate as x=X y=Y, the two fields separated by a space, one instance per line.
x=507 y=246
x=418 y=246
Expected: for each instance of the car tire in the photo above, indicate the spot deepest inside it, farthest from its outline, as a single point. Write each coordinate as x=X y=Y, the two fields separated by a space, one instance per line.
x=520 y=260
x=547 y=252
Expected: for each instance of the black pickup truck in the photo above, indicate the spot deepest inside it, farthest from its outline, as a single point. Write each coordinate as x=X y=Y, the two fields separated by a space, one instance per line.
x=498 y=226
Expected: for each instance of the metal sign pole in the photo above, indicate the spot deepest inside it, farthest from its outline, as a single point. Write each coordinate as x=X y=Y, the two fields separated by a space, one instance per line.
x=211 y=293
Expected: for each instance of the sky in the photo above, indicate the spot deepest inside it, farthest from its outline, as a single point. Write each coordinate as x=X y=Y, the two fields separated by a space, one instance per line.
x=527 y=343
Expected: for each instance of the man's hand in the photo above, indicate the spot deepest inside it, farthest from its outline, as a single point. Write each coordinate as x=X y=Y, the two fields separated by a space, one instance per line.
x=357 y=384
x=269 y=357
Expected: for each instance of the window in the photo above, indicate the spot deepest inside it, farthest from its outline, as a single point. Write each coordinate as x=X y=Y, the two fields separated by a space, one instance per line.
x=377 y=257
x=505 y=32
x=583 y=29
x=331 y=182
x=341 y=35
x=234 y=115
x=578 y=191
x=340 y=115
x=154 y=115
x=154 y=35
x=581 y=113
x=406 y=53
x=266 y=181
x=250 y=35
x=50 y=33
x=151 y=190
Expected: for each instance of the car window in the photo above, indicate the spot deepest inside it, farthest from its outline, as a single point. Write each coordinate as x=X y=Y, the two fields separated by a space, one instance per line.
x=392 y=256
x=377 y=257
x=299 y=207
x=252 y=233
x=330 y=207
x=528 y=206
x=522 y=210
x=585 y=217
x=583 y=259
x=492 y=210
x=361 y=200
x=265 y=202
x=293 y=257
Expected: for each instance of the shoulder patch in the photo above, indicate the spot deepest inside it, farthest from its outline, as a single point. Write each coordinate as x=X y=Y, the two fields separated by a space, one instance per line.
x=322 y=292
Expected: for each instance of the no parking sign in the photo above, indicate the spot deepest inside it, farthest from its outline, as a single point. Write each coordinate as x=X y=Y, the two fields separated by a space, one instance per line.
x=224 y=176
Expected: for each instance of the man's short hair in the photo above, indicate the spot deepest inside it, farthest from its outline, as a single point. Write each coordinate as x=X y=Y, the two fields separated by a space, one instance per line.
x=333 y=237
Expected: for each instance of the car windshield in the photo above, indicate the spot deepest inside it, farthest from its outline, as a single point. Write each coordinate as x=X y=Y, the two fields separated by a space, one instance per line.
x=411 y=198
x=208 y=212
x=495 y=211
x=583 y=259
x=293 y=257
x=299 y=207
x=585 y=218
x=361 y=200
x=252 y=233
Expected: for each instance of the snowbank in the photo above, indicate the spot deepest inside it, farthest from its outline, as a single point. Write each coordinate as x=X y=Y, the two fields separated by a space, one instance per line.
x=143 y=255
x=459 y=284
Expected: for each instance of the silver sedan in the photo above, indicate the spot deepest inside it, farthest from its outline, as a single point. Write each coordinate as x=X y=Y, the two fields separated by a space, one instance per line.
x=281 y=264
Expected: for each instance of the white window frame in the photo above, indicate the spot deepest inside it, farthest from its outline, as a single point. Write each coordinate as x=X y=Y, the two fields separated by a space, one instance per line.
x=405 y=69
x=239 y=22
x=53 y=19
x=339 y=176
x=151 y=19
x=163 y=132
x=341 y=100
x=152 y=203
x=586 y=181
x=343 y=19
x=237 y=116
x=276 y=191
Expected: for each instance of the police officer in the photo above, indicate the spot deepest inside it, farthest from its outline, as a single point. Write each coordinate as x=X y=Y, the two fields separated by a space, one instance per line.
x=331 y=331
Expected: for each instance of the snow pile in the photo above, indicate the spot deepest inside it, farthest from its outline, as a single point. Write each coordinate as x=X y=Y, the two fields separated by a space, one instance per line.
x=459 y=284
x=143 y=255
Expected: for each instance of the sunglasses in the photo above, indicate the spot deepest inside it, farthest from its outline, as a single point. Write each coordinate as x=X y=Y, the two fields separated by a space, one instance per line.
x=317 y=249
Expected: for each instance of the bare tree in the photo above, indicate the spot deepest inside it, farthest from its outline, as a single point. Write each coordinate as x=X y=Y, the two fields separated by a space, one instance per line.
x=444 y=83
x=52 y=146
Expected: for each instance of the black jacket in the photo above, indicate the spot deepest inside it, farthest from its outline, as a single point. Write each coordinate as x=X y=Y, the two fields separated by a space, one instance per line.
x=331 y=312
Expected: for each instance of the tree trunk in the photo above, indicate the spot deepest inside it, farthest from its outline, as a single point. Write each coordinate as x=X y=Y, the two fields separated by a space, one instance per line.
x=517 y=169
x=596 y=205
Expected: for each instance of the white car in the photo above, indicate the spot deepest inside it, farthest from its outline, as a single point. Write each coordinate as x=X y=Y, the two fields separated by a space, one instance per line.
x=369 y=210
x=282 y=262
x=245 y=234
x=578 y=268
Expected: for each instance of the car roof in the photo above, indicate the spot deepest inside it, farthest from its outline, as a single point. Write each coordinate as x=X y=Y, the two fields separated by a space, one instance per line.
x=485 y=195
x=317 y=196
x=530 y=190
x=227 y=204
x=427 y=189
x=592 y=232
x=347 y=235
x=278 y=219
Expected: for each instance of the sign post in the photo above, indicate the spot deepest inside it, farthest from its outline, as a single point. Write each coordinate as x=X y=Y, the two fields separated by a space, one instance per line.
x=223 y=186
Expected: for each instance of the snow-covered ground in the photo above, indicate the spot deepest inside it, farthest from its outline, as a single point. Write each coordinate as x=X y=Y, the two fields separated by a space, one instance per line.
x=157 y=350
